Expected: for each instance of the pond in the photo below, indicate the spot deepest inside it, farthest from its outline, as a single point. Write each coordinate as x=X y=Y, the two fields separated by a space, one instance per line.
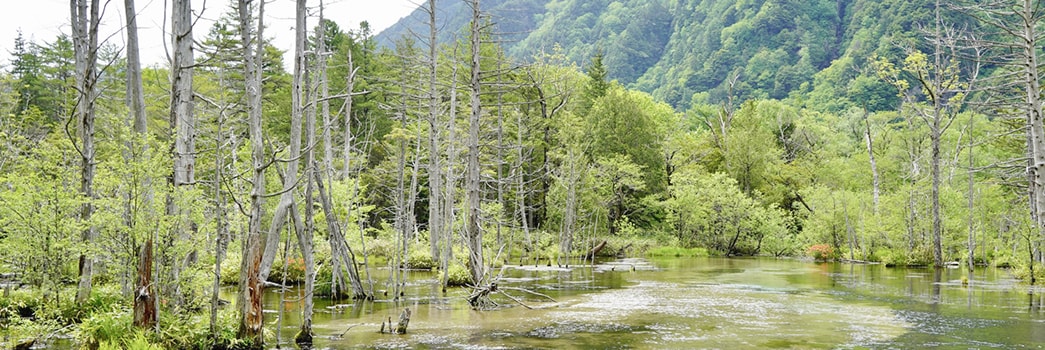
x=698 y=303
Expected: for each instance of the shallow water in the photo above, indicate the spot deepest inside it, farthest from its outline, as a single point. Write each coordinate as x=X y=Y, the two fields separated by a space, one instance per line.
x=684 y=303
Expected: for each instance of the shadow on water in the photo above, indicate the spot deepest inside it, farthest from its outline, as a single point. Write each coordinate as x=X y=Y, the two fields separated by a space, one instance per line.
x=697 y=303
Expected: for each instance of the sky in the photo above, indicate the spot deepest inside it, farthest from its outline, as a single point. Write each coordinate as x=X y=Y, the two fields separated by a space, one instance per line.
x=43 y=20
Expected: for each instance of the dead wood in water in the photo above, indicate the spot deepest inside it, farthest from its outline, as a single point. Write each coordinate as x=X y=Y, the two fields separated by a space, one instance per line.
x=480 y=298
x=400 y=328
x=595 y=250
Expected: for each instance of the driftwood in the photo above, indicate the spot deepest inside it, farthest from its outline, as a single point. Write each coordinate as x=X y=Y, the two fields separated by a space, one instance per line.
x=509 y=296
x=480 y=298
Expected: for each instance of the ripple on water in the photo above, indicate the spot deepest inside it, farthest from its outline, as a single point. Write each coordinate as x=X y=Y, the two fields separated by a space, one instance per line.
x=712 y=315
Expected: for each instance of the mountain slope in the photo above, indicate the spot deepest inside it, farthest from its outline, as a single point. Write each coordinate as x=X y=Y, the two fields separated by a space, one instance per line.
x=514 y=19
x=685 y=51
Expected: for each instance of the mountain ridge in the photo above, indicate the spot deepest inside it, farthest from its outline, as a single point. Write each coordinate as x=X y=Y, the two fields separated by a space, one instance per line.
x=686 y=51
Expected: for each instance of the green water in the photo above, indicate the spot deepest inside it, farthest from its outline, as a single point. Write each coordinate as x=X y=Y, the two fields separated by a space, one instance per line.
x=683 y=303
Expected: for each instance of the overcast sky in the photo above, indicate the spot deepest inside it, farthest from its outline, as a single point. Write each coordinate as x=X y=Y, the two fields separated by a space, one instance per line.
x=43 y=20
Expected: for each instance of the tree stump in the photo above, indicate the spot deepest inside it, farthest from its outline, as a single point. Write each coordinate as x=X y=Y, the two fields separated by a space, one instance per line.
x=404 y=320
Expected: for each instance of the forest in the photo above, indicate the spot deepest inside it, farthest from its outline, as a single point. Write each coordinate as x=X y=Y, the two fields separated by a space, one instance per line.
x=905 y=133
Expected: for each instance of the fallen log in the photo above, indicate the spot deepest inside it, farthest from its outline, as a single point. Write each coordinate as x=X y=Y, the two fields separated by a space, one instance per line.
x=595 y=250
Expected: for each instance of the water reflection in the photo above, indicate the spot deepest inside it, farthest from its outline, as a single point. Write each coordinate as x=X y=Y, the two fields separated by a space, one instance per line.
x=701 y=303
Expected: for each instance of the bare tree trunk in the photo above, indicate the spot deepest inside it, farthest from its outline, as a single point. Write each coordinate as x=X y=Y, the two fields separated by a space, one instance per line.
x=972 y=193
x=473 y=232
x=182 y=118
x=85 y=48
x=448 y=215
x=251 y=286
x=874 y=166
x=304 y=337
x=349 y=87
x=290 y=179
x=183 y=122
x=305 y=238
x=569 y=219
x=849 y=229
x=435 y=176
x=324 y=92
x=145 y=313
x=1035 y=116
x=221 y=240
x=520 y=181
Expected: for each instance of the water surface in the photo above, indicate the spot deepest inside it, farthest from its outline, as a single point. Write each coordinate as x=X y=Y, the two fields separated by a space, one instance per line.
x=684 y=303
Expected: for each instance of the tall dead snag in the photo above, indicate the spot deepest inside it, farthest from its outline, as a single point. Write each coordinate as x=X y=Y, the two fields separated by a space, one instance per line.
x=145 y=313
x=182 y=119
x=435 y=176
x=183 y=150
x=251 y=288
x=85 y=19
x=290 y=179
x=472 y=231
x=874 y=165
x=350 y=80
x=1015 y=25
x=943 y=83
x=304 y=237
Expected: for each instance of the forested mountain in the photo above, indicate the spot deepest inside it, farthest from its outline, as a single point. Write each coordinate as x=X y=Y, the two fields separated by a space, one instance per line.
x=685 y=51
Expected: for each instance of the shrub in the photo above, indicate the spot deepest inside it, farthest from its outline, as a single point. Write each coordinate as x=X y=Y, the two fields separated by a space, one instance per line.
x=822 y=252
x=295 y=271
x=420 y=259
x=105 y=328
x=458 y=276
x=230 y=267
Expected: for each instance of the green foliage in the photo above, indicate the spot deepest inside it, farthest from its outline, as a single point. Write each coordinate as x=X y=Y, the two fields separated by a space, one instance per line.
x=420 y=259
x=458 y=275
x=710 y=211
x=38 y=212
x=113 y=329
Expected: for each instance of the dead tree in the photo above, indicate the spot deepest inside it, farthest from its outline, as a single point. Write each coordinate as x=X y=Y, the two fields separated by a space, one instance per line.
x=435 y=127
x=1016 y=47
x=86 y=18
x=145 y=313
x=472 y=231
x=251 y=286
x=290 y=178
x=304 y=235
x=183 y=149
